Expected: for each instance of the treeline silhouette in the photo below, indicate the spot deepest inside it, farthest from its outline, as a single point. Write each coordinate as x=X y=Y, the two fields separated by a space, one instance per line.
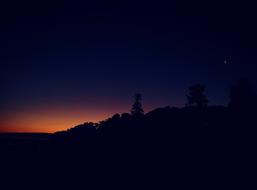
x=197 y=146
x=195 y=123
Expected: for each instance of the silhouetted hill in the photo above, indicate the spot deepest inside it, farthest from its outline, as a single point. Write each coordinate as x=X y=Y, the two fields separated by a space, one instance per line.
x=170 y=123
x=211 y=146
x=202 y=145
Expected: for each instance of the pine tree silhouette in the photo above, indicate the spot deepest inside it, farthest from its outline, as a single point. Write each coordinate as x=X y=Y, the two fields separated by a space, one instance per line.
x=137 y=109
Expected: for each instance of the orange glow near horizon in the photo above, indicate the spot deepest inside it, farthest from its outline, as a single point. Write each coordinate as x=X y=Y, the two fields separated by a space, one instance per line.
x=45 y=124
x=52 y=118
x=44 y=121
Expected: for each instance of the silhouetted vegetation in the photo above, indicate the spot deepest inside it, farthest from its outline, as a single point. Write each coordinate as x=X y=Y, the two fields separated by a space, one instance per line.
x=243 y=97
x=196 y=96
x=137 y=109
x=197 y=138
x=197 y=122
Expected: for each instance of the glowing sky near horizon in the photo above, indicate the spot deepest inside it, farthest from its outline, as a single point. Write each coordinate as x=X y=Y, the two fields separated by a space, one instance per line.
x=51 y=118
x=62 y=64
x=38 y=121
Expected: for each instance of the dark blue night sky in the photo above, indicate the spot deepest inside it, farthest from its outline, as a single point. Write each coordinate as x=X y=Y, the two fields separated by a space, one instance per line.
x=62 y=64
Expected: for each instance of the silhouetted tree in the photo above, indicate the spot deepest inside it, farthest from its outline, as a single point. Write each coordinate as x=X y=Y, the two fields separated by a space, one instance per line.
x=243 y=96
x=137 y=109
x=196 y=96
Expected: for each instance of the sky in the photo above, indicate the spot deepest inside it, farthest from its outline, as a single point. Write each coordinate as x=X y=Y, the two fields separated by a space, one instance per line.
x=63 y=63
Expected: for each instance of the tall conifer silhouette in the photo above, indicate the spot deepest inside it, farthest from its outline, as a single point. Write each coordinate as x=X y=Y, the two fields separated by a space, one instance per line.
x=137 y=109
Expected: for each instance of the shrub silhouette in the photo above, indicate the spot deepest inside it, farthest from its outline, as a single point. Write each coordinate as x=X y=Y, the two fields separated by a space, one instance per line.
x=81 y=134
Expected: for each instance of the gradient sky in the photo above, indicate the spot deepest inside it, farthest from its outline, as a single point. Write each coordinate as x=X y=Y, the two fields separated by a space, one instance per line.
x=62 y=64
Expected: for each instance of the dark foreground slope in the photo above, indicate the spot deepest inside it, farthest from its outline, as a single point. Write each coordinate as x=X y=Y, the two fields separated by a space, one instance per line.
x=211 y=147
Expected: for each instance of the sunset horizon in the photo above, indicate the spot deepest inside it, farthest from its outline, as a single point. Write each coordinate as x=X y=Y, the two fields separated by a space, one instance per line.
x=128 y=95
